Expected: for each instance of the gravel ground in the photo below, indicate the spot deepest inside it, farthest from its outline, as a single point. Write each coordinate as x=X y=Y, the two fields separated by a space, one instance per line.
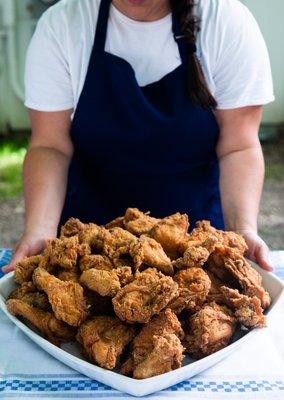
x=271 y=221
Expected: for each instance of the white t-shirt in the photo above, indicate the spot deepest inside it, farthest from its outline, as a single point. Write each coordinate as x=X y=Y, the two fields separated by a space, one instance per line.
x=230 y=47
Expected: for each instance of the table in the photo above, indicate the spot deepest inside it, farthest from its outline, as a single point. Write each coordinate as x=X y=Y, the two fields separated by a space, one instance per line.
x=254 y=372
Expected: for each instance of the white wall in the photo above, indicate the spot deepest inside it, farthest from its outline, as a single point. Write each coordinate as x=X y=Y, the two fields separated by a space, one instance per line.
x=270 y=16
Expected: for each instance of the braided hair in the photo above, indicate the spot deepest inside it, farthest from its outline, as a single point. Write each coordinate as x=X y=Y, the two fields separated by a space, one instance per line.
x=197 y=89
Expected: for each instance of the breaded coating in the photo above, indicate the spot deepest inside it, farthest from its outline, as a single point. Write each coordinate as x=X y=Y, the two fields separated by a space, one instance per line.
x=66 y=298
x=234 y=270
x=97 y=261
x=71 y=228
x=104 y=338
x=209 y=330
x=146 y=296
x=54 y=330
x=157 y=348
x=72 y=275
x=116 y=223
x=29 y=294
x=147 y=251
x=194 y=285
x=248 y=310
x=171 y=232
x=93 y=235
x=64 y=252
x=215 y=294
x=24 y=269
x=137 y=222
x=225 y=238
x=106 y=283
x=116 y=238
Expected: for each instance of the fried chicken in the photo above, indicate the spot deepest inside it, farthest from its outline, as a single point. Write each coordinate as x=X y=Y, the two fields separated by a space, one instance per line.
x=97 y=261
x=24 y=269
x=226 y=238
x=215 y=294
x=248 y=310
x=93 y=236
x=106 y=283
x=116 y=238
x=104 y=338
x=116 y=223
x=233 y=269
x=73 y=275
x=210 y=329
x=71 y=228
x=157 y=348
x=29 y=294
x=54 y=330
x=193 y=288
x=65 y=252
x=137 y=222
x=66 y=298
x=147 y=251
x=146 y=296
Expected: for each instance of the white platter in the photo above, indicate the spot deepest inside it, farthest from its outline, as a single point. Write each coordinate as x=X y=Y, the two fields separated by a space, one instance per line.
x=69 y=354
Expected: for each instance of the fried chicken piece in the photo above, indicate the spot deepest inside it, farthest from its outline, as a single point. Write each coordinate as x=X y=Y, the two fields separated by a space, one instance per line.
x=171 y=232
x=24 y=269
x=71 y=228
x=194 y=285
x=106 y=283
x=248 y=310
x=66 y=298
x=210 y=329
x=137 y=222
x=104 y=338
x=65 y=252
x=116 y=223
x=93 y=236
x=73 y=275
x=215 y=294
x=116 y=238
x=146 y=250
x=54 y=330
x=97 y=261
x=234 y=270
x=29 y=294
x=157 y=348
x=146 y=296
x=226 y=238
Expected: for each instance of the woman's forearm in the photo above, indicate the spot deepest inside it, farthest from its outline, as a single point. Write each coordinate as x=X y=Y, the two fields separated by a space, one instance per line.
x=45 y=180
x=241 y=182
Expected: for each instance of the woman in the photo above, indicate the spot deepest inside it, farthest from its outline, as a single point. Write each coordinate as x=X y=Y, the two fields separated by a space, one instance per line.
x=145 y=109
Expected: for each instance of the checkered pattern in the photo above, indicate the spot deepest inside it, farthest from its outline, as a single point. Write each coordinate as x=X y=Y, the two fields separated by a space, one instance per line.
x=187 y=386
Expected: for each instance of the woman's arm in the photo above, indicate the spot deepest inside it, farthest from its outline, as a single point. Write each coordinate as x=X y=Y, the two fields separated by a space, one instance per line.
x=45 y=179
x=241 y=175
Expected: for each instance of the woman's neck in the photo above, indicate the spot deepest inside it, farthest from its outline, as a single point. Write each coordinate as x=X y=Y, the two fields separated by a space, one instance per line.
x=143 y=10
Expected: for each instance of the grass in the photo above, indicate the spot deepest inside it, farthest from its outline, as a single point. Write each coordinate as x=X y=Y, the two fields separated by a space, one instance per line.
x=274 y=171
x=12 y=154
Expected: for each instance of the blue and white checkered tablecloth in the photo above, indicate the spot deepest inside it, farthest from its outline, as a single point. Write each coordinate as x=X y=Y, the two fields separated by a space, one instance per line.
x=256 y=371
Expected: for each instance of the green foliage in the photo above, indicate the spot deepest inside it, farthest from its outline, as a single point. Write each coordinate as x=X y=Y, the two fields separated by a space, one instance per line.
x=11 y=161
x=274 y=171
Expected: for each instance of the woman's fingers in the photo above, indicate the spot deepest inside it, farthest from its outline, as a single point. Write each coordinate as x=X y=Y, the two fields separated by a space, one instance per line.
x=262 y=257
x=21 y=251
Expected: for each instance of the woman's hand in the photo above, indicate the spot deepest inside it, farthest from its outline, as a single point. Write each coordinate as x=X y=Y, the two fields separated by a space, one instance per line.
x=30 y=244
x=257 y=249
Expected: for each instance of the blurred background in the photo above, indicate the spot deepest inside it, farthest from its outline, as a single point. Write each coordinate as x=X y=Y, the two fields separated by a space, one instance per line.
x=17 y=22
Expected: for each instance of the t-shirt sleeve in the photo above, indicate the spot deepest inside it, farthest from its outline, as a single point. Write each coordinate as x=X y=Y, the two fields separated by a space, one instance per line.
x=48 y=84
x=241 y=73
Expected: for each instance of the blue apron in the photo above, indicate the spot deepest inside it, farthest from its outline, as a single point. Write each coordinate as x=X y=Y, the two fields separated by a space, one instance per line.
x=145 y=147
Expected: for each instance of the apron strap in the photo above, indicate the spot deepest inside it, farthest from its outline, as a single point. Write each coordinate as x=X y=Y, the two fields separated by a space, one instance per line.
x=184 y=48
x=102 y=23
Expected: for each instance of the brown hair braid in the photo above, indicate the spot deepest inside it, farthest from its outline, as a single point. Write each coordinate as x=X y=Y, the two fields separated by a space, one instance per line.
x=198 y=92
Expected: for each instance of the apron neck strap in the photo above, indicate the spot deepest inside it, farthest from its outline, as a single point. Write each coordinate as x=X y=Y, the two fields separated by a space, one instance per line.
x=184 y=48
x=102 y=23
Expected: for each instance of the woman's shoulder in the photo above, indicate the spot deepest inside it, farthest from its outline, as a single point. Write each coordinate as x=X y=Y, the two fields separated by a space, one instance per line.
x=222 y=10
x=67 y=13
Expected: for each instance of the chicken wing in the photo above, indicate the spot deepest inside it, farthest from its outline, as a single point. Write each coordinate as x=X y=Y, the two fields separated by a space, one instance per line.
x=116 y=238
x=157 y=348
x=147 y=251
x=233 y=269
x=24 y=269
x=137 y=222
x=171 y=232
x=210 y=329
x=104 y=338
x=193 y=288
x=54 y=330
x=71 y=228
x=66 y=298
x=106 y=283
x=116 y=223
x=97 y=261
